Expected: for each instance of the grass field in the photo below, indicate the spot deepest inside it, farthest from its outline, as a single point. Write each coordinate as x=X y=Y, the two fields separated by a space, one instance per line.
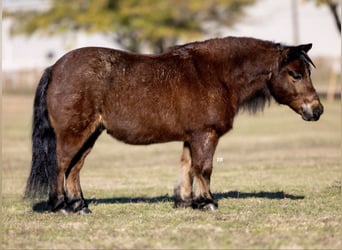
x=277 y=178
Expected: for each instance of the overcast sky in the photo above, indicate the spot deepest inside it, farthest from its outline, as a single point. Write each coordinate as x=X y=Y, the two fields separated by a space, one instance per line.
x=272 y=20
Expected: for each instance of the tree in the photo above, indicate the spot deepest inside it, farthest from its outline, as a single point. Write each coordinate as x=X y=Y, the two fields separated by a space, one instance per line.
x=333 y=6
x=132 y=23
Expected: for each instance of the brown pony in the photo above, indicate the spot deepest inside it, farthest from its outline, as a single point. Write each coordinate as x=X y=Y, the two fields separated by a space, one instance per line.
x=190 y=93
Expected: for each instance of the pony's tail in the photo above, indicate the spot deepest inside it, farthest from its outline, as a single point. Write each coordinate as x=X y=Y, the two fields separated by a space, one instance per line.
x=43 y=173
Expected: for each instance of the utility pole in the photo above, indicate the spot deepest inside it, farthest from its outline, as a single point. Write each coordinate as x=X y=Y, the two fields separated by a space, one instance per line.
x=295 y=23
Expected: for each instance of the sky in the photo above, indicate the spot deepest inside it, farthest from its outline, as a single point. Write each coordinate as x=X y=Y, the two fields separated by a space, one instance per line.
x=267 y=19
x=272 y=20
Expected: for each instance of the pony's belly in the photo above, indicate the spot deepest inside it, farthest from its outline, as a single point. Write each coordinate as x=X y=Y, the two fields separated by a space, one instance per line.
x=137 y=133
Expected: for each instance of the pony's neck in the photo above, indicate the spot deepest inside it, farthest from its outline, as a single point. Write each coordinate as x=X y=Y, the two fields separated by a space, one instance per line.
x=254 y=93
x=250 y=70
x=244 y=65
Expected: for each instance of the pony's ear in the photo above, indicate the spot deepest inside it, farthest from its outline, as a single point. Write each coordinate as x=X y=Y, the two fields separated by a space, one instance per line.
x=293 y=52
x=304 y=47
x=303 y=50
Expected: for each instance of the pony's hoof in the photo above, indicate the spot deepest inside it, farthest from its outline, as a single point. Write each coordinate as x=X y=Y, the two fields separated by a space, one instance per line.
x=210 y=207
x=62 y=211
x=84 y=210
x=205 y=204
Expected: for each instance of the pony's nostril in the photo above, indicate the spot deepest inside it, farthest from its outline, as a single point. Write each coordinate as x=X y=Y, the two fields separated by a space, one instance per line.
x=307 y=114
x=310 y=113
x=318 y=112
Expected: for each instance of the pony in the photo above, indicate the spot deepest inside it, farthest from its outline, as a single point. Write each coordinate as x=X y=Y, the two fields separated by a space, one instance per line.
x=189 y=93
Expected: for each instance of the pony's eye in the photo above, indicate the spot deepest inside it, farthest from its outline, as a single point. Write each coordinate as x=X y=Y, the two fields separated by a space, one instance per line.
x=295 y=76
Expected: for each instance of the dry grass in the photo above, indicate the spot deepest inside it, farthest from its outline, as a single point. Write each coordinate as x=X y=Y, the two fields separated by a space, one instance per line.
x=279 y=186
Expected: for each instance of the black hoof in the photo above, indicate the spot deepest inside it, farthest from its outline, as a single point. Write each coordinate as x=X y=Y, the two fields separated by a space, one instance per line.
x=85 y=210
x=68 y=210
x=62 y=211
x=210 y=207
x=68 y=205
x=205 y=204
x=78 y=205
x=58 y=204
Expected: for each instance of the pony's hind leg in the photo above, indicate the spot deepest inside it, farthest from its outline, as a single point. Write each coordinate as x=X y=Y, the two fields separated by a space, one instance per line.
x=73 y=191
x=183 y=191
x=74 y=196
x=71 y=151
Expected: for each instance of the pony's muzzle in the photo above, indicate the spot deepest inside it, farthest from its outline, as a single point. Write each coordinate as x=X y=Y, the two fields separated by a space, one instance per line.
x=312 y=111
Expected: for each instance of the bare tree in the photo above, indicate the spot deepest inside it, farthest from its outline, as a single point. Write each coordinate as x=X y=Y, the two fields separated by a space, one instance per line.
x=334 y=6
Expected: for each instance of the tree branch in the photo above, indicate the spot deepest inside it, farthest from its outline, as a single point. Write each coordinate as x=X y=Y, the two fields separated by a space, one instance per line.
x=333 y=9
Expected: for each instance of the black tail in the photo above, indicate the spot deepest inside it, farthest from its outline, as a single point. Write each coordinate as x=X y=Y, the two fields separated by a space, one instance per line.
x=44 y=163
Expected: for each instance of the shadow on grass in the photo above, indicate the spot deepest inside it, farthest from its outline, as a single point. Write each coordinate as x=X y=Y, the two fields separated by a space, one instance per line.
x=232 y=194
x=265 y=195
x=42 y=207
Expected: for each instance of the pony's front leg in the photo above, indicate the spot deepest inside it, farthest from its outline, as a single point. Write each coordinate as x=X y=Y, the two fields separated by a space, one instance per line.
x=203 y=148
x=183 y=191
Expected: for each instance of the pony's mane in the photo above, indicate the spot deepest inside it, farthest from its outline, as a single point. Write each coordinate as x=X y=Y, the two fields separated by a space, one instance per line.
x=257 y=103
x=186 y=45
x=228 y=41
x=308 y=62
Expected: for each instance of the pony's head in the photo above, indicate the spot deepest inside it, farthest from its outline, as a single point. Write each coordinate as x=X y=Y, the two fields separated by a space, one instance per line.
x=292 y=84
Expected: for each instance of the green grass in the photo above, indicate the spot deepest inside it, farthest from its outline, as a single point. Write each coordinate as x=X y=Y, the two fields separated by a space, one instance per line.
x=279 y=186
